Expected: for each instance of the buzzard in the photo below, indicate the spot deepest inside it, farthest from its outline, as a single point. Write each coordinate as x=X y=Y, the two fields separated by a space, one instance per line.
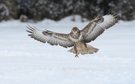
x=76 y=38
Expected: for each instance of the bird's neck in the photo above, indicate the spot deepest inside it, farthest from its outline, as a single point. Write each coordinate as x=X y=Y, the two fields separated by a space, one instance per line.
x=75 y=38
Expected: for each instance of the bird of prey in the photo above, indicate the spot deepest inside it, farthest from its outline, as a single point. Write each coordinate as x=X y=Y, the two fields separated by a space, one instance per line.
x=76 y=38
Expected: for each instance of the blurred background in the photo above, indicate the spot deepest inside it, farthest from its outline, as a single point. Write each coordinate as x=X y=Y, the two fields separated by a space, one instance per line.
x=24 y=60
x=38 y=10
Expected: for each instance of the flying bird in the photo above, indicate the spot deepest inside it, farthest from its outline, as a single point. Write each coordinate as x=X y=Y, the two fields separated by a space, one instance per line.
x=76 y=38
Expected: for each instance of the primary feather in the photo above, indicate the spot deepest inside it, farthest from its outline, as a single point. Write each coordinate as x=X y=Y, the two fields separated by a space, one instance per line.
x=99 y=27
x=50 y=37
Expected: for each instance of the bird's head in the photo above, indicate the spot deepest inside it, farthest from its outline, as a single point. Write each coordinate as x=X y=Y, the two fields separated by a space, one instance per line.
x=75 y=33
x=75 y=30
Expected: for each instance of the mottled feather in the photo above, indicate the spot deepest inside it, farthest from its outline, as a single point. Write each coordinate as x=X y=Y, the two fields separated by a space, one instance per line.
x=50 y=37
x=90 y=32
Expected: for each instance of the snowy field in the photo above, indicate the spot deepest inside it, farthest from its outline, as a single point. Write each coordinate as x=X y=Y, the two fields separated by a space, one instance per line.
x=26 y=61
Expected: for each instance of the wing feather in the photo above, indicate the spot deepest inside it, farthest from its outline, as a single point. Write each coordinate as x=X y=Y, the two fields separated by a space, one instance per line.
x=50 y=37
x=99 y=28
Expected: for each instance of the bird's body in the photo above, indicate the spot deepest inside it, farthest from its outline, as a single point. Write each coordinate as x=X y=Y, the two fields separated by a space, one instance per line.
x=80 y=47
x=76 y=38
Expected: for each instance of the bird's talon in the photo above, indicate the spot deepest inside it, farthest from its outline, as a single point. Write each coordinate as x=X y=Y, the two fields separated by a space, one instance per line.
x=76 y=56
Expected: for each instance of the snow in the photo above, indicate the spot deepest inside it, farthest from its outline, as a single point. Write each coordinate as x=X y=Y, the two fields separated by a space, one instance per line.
x=26 y=61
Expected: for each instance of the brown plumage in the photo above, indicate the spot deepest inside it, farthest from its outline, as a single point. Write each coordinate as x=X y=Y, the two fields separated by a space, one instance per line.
x=76 y=38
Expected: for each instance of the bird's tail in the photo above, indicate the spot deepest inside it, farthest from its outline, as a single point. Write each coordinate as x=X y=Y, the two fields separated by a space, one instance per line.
x=82 y=48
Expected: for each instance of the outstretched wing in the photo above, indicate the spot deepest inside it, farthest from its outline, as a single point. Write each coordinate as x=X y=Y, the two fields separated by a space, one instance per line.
x=96 y=28
x=50 y=37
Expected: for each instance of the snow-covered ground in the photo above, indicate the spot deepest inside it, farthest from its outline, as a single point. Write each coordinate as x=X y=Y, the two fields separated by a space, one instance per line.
x=26 y=61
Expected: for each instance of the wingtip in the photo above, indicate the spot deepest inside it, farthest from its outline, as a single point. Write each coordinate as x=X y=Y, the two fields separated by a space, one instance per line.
x=30 y=28
x=29 y=31
x=29 y=35
x=114 y=14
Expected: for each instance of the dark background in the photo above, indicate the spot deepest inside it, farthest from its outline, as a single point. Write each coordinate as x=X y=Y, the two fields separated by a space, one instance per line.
x=57 y=9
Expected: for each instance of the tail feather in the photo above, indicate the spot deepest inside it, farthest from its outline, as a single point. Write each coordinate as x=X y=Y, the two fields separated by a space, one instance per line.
x=84 y=50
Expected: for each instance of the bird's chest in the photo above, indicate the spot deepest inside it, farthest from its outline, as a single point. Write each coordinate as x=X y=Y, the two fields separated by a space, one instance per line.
x=76 y=38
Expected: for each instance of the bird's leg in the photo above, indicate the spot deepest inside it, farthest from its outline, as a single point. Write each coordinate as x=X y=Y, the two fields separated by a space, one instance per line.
x=85 y=45
x=76 y=55
x=76 y=52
